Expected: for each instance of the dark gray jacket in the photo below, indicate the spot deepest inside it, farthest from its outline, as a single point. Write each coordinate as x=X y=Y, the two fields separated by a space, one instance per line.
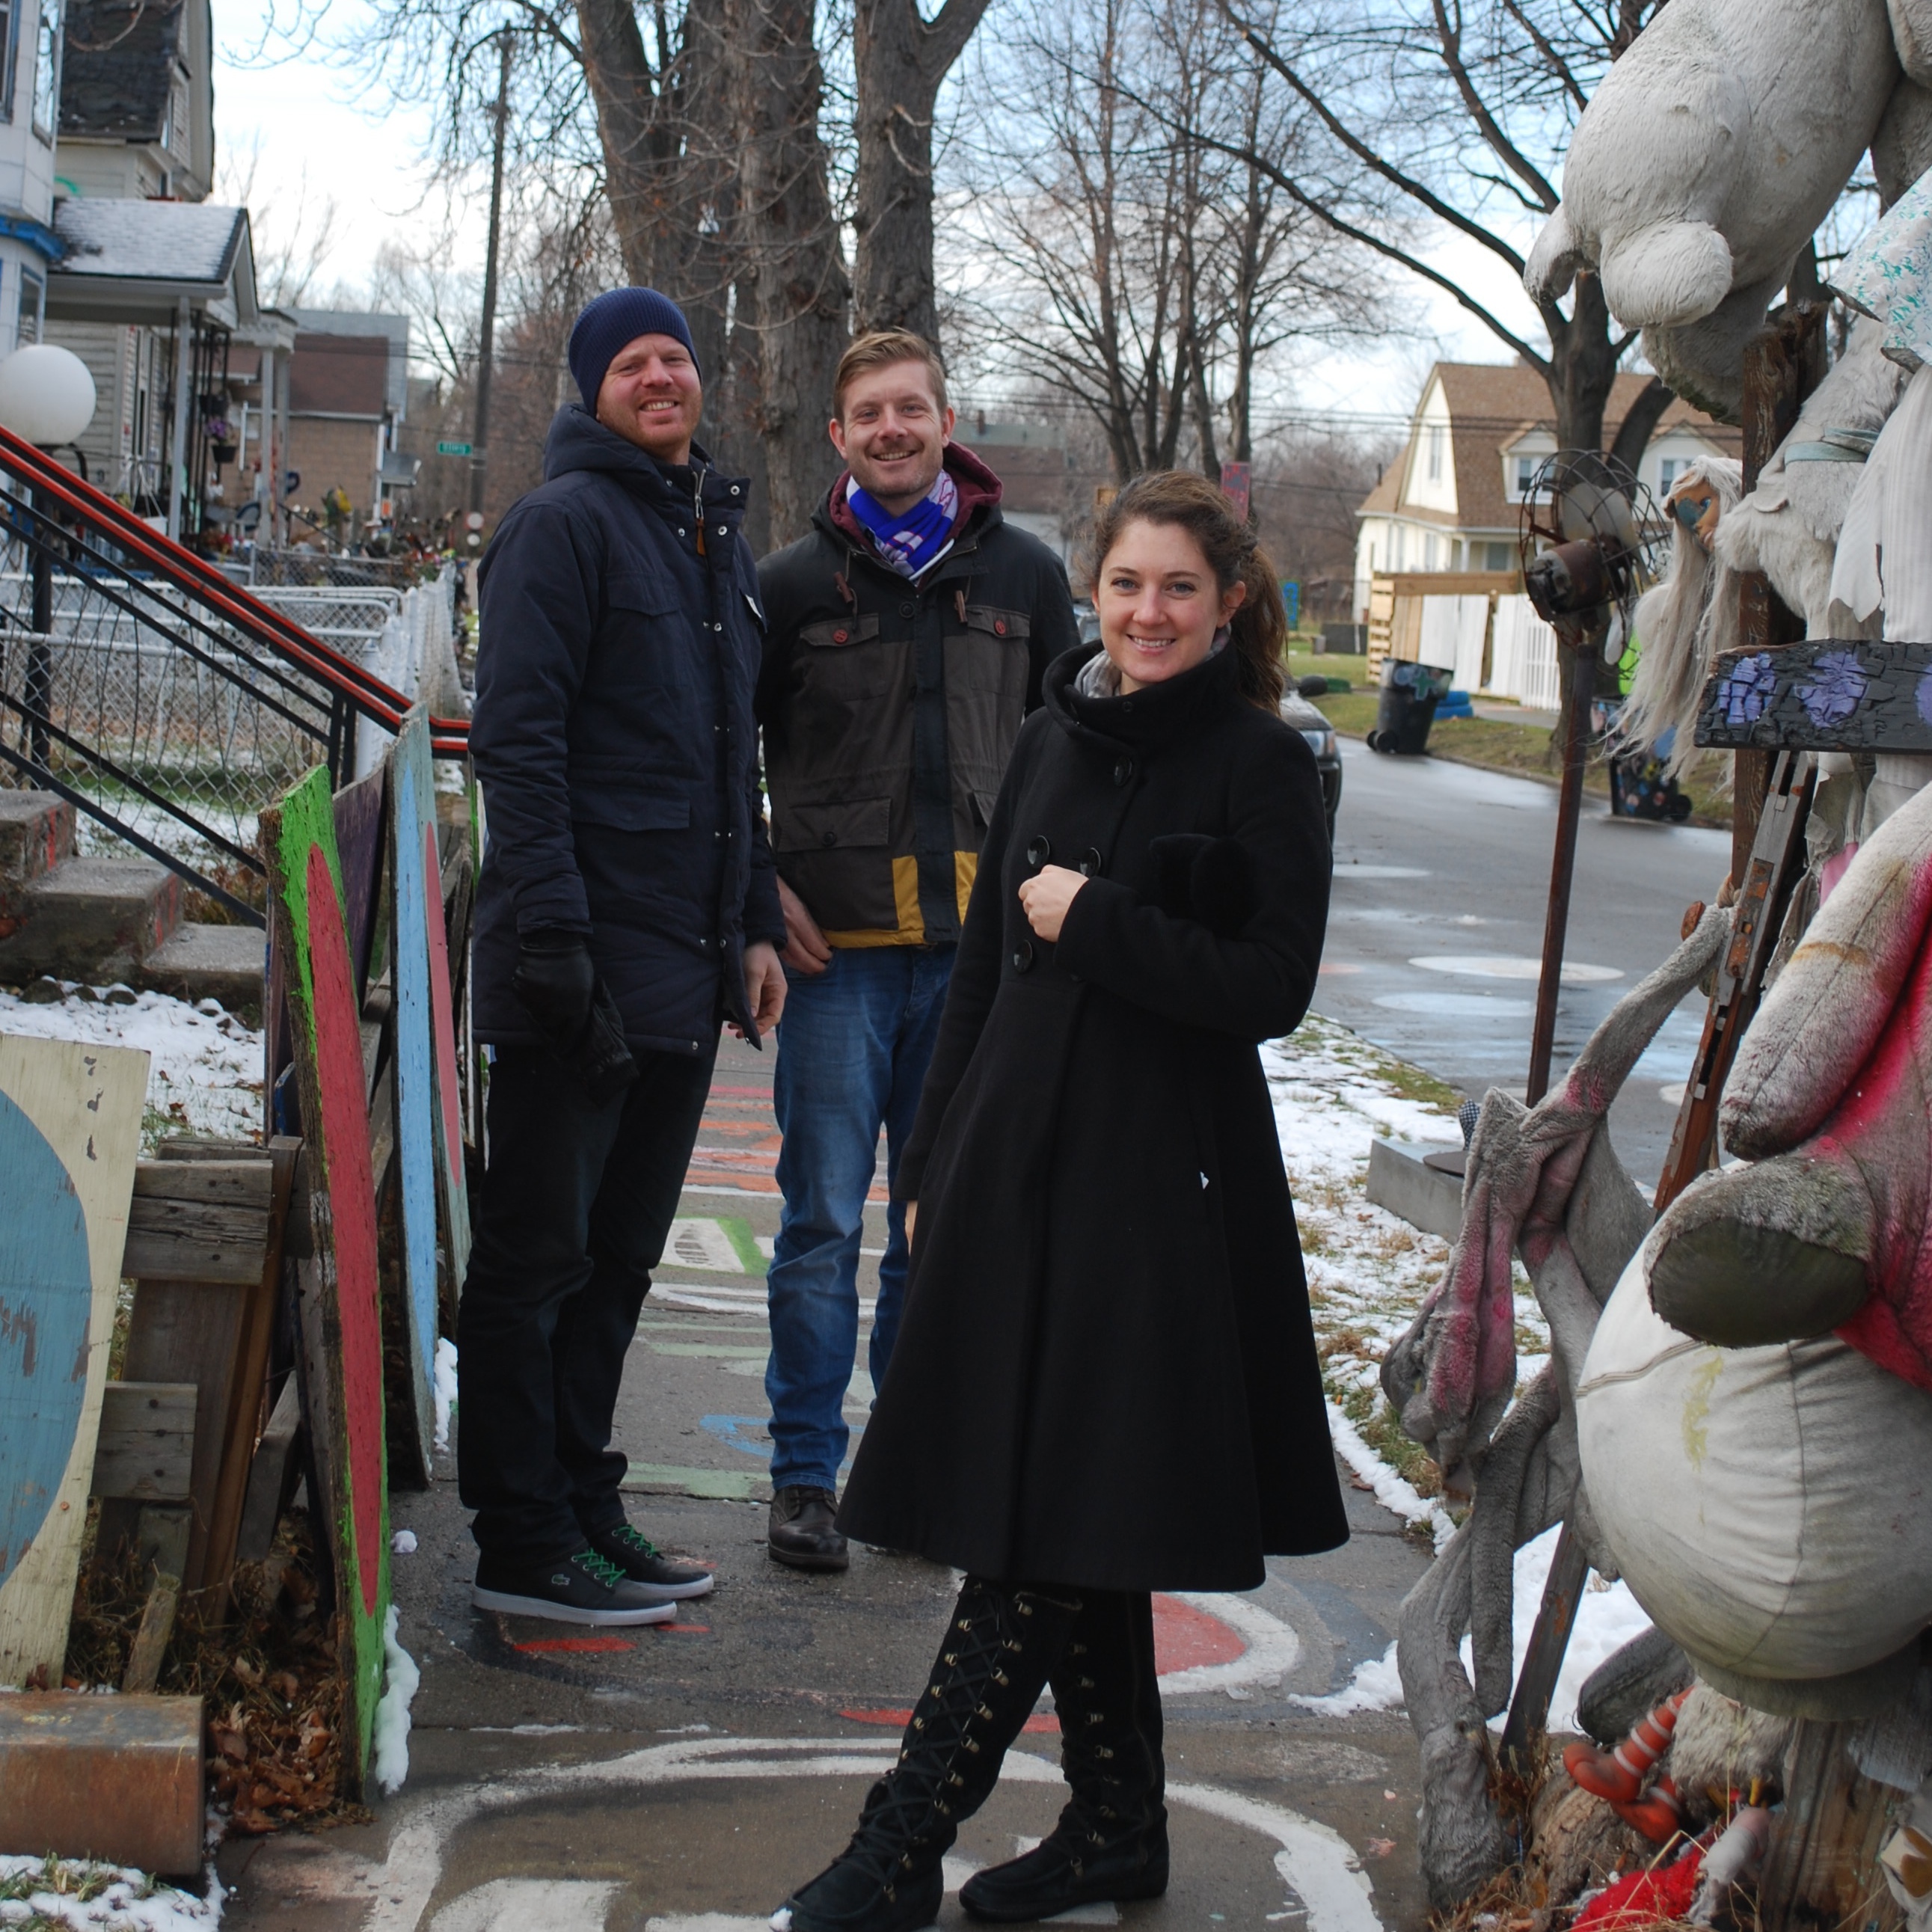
x=614 y=737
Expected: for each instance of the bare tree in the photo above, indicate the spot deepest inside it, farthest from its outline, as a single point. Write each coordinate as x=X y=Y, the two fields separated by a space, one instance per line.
x=900 y=58
x=1443 y=119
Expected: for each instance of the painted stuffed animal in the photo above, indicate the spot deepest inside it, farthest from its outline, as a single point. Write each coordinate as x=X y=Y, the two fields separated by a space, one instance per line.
x=1682 y=622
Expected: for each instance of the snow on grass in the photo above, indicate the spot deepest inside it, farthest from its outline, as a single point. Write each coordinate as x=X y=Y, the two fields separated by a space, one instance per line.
x=1368 y=1270
x=1376 y=1685
x=79 y=1894
x=205 y=1072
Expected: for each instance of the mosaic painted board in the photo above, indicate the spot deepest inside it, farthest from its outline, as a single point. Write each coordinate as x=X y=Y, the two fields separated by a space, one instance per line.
x=1825 y=694
x=305 y=887
x=69 y=1135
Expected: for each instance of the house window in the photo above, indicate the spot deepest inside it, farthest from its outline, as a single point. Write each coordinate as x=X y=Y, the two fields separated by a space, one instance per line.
x=9 y=50
x=46 y=71
x=1434 y=438
x=1500 y=556
x=33 y=307
x=1669 y=469
x=1526 y=474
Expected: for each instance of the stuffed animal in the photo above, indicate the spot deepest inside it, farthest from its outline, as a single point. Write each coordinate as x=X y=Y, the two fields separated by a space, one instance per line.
x=1618 y=1776
x=1706 y=158
x=1788 y=526
x=1683 y=620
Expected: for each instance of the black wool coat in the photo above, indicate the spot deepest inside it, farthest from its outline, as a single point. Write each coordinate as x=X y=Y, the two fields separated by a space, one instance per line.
x=1106 y=1375
x=615 y=739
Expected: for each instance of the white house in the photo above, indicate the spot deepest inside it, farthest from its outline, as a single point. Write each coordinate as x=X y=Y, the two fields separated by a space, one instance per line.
x=1451 y=501
x=30 y=73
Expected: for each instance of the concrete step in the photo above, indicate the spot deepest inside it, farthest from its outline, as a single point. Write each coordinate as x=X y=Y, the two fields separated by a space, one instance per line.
x=226 y=963
x=95 y=919
x=1423 y=1184
x=36 y=835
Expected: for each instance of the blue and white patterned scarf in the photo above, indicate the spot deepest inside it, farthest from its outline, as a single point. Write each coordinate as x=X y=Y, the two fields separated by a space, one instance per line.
x=914 y=540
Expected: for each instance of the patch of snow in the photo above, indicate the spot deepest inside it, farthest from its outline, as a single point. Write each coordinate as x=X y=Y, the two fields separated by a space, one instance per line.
x=1376 y=1685
x=1392 y=1491
x=130 y=1901
x=1607 y=1617
x=445 y=1388
x=403 y=1542
x=204 y=1069
x=391 y=1755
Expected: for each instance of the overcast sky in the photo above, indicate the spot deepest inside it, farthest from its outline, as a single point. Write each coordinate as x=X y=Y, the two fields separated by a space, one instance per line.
x=313 y=134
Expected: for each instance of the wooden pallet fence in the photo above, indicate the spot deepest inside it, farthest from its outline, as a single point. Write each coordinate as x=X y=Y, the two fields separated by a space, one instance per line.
x=69 y=1132
x=338 y=1303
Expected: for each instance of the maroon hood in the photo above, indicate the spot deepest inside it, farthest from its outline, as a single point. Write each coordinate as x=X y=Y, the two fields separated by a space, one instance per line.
x=978 y=489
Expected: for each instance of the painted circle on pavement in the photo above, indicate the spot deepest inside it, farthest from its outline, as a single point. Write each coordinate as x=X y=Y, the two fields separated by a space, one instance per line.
x=1514 y=966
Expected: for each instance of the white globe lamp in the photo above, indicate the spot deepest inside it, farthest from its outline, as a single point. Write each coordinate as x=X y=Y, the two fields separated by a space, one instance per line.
x=46 y=395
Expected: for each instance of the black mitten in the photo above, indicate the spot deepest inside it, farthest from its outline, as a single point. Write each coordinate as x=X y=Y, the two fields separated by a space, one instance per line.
x=602 y=1056
x=554 y=978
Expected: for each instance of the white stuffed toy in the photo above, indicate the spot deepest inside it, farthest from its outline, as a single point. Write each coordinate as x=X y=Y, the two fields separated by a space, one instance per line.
x=1707 y=158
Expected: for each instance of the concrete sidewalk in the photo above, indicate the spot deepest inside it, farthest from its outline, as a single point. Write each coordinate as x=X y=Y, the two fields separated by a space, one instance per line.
x=684 y=1779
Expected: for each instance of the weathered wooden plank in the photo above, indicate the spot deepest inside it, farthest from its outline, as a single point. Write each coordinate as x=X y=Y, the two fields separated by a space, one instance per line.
x=69 y=1132
x=180 y=1241
x=116 y=1778
x=415 y=908
x=245 y=1183
x=341 y=1320
x=1822 y=1868
x=163 y=1540
x=145 y=1449
x=270 y=1477
x=1823 y=694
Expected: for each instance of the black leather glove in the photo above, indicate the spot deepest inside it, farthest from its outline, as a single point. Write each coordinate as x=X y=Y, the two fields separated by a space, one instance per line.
x=601 y=1056
x=554 y=978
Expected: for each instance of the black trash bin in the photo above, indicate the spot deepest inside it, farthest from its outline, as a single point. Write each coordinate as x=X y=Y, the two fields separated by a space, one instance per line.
x=1410 y=693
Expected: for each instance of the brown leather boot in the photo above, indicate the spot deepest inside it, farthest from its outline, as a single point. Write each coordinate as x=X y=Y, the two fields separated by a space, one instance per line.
x=801 y=1532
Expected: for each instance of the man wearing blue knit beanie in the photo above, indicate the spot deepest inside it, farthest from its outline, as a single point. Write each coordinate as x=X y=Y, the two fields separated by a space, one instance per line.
x=627 y=907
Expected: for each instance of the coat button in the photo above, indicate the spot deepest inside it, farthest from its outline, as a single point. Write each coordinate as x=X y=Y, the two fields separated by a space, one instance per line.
x=1039 y=851
x=831 y=839
x=1123 y=771
x=999 y=627
x=1090 y=862
x=905 y=610
x=840 y=637
x=1023 y=955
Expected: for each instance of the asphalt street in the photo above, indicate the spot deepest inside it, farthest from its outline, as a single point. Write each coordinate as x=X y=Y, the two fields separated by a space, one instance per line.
x=1435 y=928
x=685 y=1778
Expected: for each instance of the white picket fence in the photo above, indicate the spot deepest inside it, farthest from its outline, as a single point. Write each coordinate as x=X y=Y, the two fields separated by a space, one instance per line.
x=415 y=652
x=1522 y=662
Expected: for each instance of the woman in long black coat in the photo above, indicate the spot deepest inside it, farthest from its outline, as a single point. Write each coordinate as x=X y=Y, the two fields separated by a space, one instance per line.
x=1106 y=1383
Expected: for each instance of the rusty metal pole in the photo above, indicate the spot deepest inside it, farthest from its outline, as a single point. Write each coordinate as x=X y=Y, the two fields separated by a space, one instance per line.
x=1580 y=691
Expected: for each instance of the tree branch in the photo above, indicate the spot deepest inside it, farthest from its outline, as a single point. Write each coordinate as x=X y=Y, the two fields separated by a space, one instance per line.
x=943 y=39
x=1499 y=144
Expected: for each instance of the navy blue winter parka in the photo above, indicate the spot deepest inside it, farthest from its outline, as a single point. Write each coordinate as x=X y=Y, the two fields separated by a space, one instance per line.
x=614 y=737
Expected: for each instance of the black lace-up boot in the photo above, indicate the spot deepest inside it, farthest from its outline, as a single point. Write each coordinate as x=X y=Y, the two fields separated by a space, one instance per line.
x=1003 y=1641
x=1112 y=1840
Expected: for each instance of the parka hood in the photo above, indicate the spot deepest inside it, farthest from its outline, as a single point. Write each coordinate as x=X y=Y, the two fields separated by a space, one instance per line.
x=578 y=441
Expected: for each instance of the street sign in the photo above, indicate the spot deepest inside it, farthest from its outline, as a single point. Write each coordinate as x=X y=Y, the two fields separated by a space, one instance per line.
x=454 y=449
x=1235 y=483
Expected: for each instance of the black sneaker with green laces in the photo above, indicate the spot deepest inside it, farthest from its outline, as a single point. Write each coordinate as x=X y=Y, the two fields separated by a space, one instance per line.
x=648 y=1567
x=585 y=1588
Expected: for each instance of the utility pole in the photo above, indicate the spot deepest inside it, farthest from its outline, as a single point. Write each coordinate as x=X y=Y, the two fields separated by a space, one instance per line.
x=479 y=453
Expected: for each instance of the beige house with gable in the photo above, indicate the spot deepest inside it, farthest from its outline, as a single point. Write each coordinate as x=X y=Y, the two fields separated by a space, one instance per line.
x=1451 y=501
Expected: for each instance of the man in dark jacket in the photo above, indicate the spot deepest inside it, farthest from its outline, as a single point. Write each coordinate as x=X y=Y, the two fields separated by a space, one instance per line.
x=906 y=638
x=627 y=905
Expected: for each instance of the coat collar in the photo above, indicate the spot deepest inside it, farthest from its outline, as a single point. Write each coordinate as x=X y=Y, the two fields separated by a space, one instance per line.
x=980 y=493
x=1149 y=719
x=578 y=441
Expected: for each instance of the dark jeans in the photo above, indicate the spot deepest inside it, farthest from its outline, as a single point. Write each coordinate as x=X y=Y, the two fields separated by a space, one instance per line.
x=575 y=1207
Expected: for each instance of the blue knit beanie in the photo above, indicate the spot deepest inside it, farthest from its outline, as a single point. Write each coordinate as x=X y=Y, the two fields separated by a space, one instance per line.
x=618 y=317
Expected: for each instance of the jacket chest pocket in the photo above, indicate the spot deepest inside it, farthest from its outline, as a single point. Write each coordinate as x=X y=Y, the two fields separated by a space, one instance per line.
x=650 y=632
x=842 y=659
x=990 y=654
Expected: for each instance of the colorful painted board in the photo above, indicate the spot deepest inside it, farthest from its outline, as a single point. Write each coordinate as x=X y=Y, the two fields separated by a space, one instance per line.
x=70 y=1134
x=1825 y=694
x=305 y=888
x=414 y=778
x=416 y=914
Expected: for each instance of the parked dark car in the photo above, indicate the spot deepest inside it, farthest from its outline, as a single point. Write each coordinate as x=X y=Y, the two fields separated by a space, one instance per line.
x=1297 y=710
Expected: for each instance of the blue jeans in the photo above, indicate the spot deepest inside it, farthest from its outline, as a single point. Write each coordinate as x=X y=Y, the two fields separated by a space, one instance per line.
x=853 y=1047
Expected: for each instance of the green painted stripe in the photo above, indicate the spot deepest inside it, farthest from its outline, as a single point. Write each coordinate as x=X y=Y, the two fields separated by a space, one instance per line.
x=745 y=1240
x=731 y=1486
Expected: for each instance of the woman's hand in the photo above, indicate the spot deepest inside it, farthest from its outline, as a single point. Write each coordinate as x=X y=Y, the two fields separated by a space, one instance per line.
x=912 y=1218
x=1045 y=898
